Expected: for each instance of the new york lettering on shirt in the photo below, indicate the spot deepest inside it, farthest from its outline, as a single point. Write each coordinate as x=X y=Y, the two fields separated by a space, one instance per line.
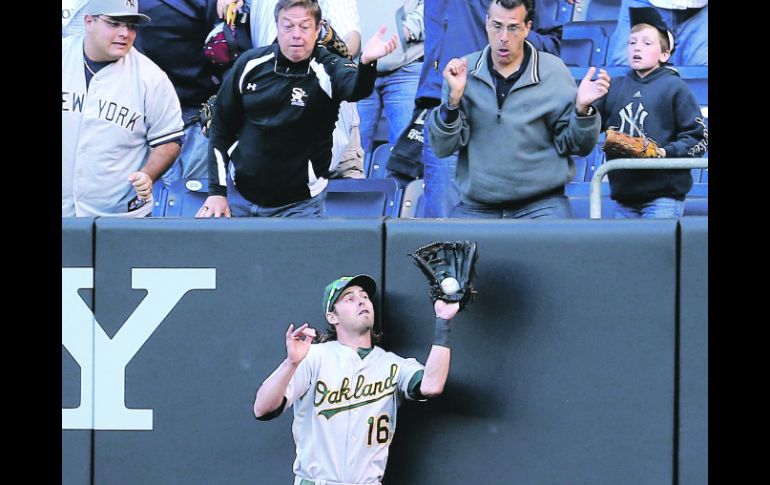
x=71 y=101
x=123 y=116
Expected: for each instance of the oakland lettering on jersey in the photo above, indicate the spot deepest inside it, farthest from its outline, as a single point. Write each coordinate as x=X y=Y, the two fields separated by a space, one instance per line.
x=72 y=101
x=109 y=111
x=380 y=389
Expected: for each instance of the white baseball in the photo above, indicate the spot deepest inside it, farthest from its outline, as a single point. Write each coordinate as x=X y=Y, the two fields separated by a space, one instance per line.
x=450 y=286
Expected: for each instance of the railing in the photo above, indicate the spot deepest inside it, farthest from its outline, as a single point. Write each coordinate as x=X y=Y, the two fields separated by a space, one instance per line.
x=595 y=195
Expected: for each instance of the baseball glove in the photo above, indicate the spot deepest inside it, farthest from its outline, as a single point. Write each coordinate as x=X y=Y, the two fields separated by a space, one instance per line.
x=328 y=38
x=620 y=145
x=205 y=113
x=449 y=267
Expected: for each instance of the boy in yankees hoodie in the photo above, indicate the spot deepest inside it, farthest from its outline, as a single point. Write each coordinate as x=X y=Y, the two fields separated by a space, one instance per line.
x=652 y=100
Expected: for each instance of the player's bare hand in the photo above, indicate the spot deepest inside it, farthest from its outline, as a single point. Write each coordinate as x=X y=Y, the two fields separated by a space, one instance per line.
x=445 y=310
x=214 y=206
x=298 y=342
x=142 y=184
x=223 y=4
x=378 y=46
x=591 y=90
x=456 y=76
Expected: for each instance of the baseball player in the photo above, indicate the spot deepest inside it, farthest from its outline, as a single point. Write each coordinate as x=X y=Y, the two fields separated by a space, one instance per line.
x=346 y=390
x=121 y=119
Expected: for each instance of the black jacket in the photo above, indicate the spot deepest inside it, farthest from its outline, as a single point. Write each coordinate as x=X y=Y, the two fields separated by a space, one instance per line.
x=282 y=114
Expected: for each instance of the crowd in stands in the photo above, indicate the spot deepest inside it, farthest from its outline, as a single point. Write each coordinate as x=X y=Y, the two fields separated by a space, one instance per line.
x=496 y=102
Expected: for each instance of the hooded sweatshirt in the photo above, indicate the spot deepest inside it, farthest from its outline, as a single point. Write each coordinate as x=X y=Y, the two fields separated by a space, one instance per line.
x=662 y=107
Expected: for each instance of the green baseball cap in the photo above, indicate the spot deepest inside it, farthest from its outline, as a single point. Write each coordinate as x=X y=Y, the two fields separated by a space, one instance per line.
x=335 y=288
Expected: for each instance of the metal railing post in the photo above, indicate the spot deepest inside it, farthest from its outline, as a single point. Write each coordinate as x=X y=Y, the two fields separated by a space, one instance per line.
x=595 y=194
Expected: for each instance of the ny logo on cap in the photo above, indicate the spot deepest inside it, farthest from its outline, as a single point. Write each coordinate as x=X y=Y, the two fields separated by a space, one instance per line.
x=130 y=3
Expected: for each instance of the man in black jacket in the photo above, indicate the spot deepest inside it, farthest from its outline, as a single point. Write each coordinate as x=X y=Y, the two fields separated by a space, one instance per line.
x=280 y=103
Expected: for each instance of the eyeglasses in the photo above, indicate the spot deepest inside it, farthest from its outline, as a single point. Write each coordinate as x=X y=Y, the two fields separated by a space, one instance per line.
x=498 y=28
x=133 y=26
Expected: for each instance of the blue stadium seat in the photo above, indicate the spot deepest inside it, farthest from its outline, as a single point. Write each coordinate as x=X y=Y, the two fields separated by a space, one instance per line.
x=700 y=88
x=412 y=198
x=695 y=172
x=576 y=52
x=578 y=195
x=704 y=176
x=697 y=201
x=595 y=33
x=597 y=10
x=580 y=168
x=563 y=12
x=185 y=197
x=159 y=194
x=608 y=26
x=363 y=198
x=379 y=161
x=594 y=159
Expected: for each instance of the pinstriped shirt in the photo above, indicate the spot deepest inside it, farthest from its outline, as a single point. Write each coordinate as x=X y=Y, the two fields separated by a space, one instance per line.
x=109 y=129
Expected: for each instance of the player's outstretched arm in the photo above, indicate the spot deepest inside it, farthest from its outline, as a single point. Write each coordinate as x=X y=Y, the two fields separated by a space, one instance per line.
x=270 y=394
x=437 y=365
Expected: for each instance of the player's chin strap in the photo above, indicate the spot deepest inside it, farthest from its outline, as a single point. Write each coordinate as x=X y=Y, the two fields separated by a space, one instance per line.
x=319 y=481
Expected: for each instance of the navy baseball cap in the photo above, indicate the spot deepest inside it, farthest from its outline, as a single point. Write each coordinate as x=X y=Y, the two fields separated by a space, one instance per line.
x=651 y=16
x=116 y=8
x=335 y=288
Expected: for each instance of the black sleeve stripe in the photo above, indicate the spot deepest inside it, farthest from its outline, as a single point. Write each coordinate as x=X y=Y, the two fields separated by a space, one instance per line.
x=274 y=413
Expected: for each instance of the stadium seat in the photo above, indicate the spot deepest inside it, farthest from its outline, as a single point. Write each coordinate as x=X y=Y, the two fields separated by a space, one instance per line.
x=185 y=197
x=596 y=10
x=563 y=12
x=697 y=201
x=576 y=52
x=159 y=194
x=579 y=199
x=704 y=176
x=595 y=33
x=412 y=198
x=363 y=198
x=379 y=161
x=580 y=168
x=700 y=88
x=608 y=26
x=594 y=159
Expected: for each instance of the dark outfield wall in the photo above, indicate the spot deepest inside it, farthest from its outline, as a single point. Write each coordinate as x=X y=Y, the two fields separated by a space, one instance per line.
x=77 y=261
x=563 y=370
x=693 y=352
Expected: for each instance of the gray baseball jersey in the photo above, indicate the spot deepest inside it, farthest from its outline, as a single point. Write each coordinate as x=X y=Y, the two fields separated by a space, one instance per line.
x=345 y=411
x=108 y=130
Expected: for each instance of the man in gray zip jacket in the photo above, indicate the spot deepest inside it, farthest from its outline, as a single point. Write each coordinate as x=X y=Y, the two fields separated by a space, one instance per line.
x=515 y=116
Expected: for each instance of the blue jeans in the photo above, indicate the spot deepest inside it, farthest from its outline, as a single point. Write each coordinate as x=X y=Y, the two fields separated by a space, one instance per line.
x=395 y=93
x=660 y=208
x=548 y=207
x=240 y=207
x=690 y=29
x=193 y=158
x=441 y=192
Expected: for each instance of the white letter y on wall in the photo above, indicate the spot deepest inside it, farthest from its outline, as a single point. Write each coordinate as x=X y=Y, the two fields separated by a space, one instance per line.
x=102 y=386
